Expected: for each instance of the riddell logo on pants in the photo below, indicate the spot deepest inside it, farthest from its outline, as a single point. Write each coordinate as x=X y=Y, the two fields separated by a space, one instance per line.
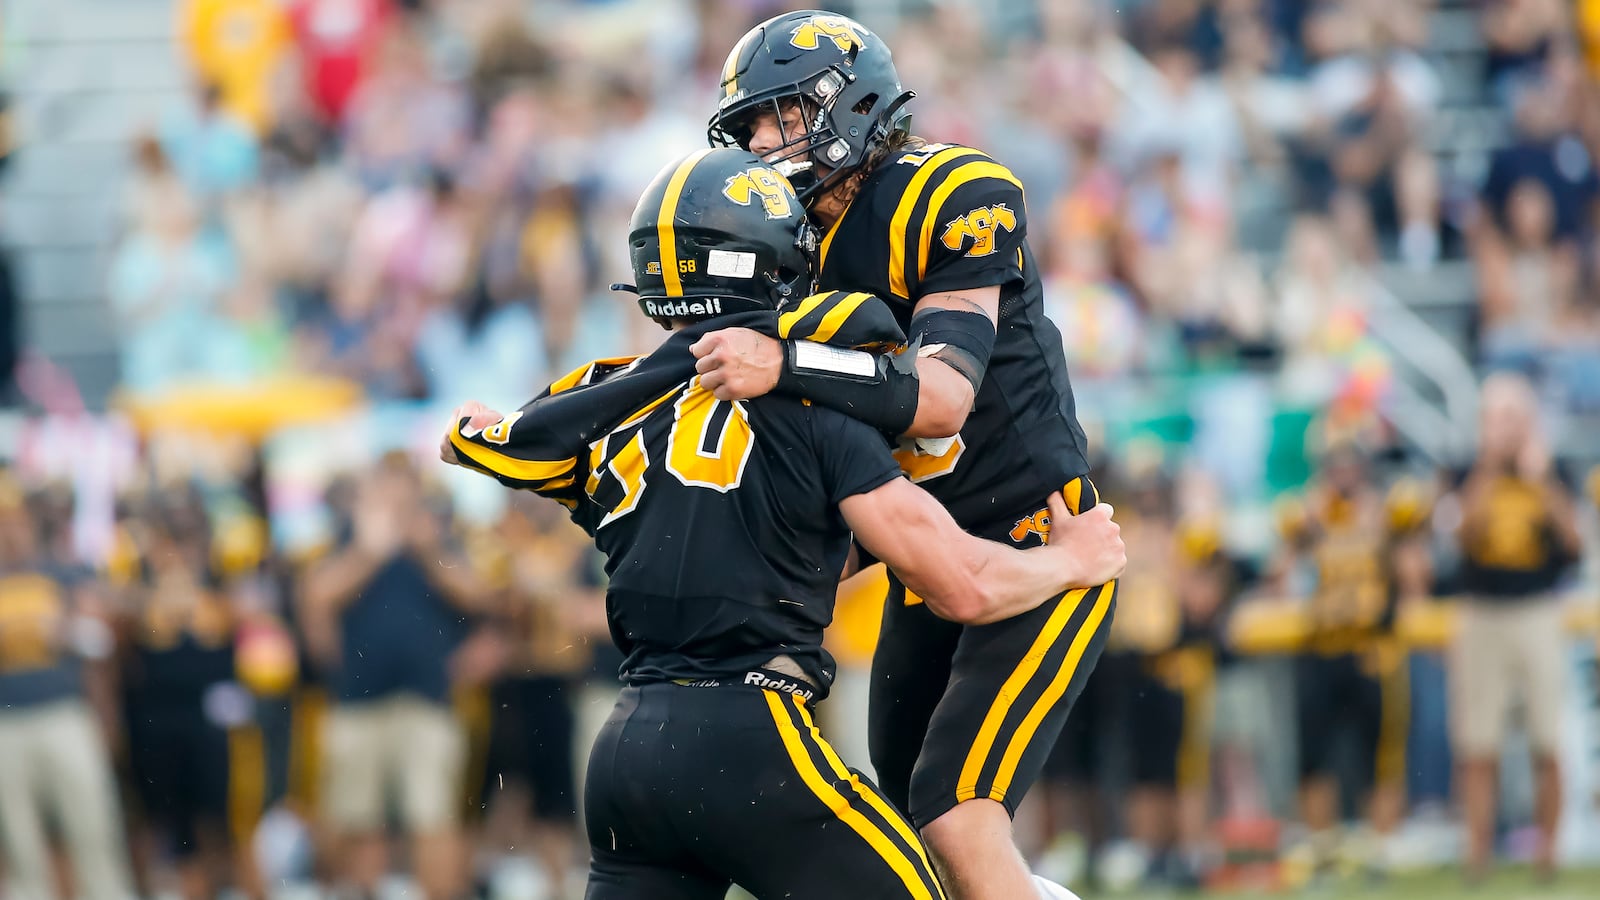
x=777 y=684
x=668 y=309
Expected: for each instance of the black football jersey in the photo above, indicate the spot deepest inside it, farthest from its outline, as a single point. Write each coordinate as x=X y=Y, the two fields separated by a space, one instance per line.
x=719 y=521
x=945 y=218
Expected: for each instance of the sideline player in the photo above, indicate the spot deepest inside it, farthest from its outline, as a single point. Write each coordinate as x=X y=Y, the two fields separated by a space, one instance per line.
x=962 y=718
x=1353 y=554
x=725 y=525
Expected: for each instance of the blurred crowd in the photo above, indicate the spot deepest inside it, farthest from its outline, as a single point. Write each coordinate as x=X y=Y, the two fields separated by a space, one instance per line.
x=428 y=198
x=378 y=191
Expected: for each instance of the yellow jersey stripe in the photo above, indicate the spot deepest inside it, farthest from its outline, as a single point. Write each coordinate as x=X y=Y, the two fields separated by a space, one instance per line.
x=790 y=319
x=827 y=239
x=874 y=800
x=849 y=815
x=1058 y=686
x=510 y=466
x=583 y=373
x=1073 y=494
x=835 y=319
x=963 y=175
x=556 y=484
x=900 y=224
x=649 y=408
x=666 y=224
x=972 y=769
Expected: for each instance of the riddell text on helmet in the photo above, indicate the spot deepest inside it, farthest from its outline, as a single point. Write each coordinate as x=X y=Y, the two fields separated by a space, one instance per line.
x=670 y=308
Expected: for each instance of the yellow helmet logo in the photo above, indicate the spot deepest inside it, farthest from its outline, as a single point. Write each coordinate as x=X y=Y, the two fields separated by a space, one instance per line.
x=843 y=32
x=764 y=184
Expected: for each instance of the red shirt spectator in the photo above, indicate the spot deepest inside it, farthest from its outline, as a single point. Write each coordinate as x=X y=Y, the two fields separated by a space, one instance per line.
x=335 y=37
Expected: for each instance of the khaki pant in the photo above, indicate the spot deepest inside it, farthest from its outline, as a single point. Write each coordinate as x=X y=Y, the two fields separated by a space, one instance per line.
x=1505 y=652
x=53 y=763
x=403 y=743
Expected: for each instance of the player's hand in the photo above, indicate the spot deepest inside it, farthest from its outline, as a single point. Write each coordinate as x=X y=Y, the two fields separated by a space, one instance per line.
x=1092 y=541
x=737 y=363
x=481 y=417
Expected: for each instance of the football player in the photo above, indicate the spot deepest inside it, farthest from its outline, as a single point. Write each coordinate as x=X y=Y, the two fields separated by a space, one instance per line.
x=963 y=718
x=1170 y=621
x=725 y=526
x=1358 y=554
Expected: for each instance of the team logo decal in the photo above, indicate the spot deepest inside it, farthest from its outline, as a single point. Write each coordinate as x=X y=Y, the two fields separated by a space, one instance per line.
x=1038 y=523
x=844 y=33
x=763 y=184
x=981 y=226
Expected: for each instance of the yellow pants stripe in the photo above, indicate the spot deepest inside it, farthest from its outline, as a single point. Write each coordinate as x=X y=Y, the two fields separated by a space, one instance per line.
x=247 y=782
x=1390 y=766
x=873 y=799
x=307 y=716
x=978 y=756
x=476 y=714
x=1052 y=694
x=1194 y=747
x=881 y=843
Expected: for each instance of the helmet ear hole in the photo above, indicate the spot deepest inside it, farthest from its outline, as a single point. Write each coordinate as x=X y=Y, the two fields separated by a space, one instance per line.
x=865 y=105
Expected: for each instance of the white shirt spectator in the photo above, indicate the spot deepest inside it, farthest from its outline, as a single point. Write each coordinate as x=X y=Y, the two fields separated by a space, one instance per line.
x=1339 y=86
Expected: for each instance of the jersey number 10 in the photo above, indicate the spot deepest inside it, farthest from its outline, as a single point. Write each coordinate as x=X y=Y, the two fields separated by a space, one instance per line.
x=708 y=446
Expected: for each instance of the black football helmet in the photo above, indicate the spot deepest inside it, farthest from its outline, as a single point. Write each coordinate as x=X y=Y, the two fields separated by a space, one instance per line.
x=719 y=232
x=841 y=75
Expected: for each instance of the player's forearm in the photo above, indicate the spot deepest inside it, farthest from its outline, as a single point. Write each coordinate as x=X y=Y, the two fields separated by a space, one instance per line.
x=1013 y=581
x=944 y=399
x=975 y=582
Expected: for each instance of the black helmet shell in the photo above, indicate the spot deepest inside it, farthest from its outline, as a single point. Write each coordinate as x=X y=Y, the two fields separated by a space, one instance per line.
x=719 y=232
x=844 y=74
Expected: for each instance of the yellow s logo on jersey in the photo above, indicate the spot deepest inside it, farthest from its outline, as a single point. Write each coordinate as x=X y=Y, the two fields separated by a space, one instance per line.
x=843 y=32
x=767 y=185
x=980 y=225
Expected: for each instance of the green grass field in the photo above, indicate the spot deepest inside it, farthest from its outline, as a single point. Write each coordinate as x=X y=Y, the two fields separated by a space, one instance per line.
x=1511 y=883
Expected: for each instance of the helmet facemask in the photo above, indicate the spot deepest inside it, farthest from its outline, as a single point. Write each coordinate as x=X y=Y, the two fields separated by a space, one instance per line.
x=810 y=159
x=836 y=72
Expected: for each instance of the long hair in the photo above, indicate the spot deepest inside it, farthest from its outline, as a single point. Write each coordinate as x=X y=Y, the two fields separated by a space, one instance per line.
x=897 y=141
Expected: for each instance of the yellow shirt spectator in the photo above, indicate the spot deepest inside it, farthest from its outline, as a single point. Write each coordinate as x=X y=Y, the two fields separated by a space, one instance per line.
x=235 y=44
